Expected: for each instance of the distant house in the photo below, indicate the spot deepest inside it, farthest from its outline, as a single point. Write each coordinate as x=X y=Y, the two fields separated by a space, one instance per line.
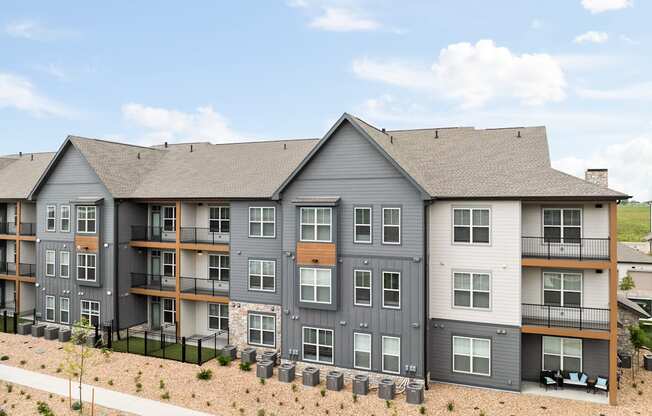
x=629 y=313
x=639 y=266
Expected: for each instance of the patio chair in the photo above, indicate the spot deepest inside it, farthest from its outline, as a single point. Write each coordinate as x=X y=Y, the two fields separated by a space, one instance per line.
x=601 y=383
x=576 y=379
x=547 y=379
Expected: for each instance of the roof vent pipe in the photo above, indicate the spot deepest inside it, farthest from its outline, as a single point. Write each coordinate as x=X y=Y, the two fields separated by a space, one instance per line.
x=383 y=130
x=166 y=145
x=31 y=157
x=20 y=154
x=190 y=148
x=138 y=156
x=391 y=139
x=436 y=134
x=285 y=146
x=518 y=134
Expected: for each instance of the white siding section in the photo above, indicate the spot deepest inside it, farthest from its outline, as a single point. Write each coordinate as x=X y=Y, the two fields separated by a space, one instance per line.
x=624 y=268
x=502 y=258
x=595 y=286
x=595 y=221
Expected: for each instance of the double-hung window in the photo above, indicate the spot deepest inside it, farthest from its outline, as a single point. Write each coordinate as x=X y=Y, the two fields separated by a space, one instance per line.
x=262 y=222
x=262 y=330
x=362 y=351
x=362 y=287
x=64 y=264
x=391 y=290
x=218 y=316
x=562 y=225
x=86 y=219
x=90 y=311
x=316 y=224
x=472 y=355
x=315 y=285
x=64 y=310
x=391 y=225
x=51 y=218
x=362 y=225
x=219 y=219
x=50 y=260
x=65 y=219
x=169 y=263
x=471 y=225
x=218 y=267
x=262 y=275
x=562 y=289
x=169 y=311
x=86 y=267
x=391 y=354
x=317 y=345
x=472 y=290
x=170 y=219
x=563 y=354
x=50 y=308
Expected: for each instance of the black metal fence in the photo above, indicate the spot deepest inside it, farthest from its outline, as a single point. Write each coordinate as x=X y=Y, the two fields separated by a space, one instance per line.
x=7 y=268
x=149 y=233
x=203 y=235
x=153 y=281
x=204 y=286
x=27 y=269
x=27 y=228
x=8 y=228
x=565 y=316
x=569 y=248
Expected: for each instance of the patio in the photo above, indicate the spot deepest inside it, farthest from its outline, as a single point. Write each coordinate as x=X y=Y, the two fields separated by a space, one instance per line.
x=571 y=393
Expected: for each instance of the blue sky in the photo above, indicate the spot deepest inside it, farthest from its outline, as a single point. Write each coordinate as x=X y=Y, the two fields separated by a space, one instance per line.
x=146 y=72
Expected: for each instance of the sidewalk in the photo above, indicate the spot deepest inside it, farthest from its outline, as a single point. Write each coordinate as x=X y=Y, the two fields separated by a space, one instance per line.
x=103 y=397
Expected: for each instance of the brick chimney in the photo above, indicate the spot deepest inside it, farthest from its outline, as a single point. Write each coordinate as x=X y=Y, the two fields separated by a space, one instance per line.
x=597 y=176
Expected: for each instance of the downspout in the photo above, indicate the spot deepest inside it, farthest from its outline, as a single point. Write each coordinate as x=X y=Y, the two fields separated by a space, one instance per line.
x=116 y=262
x=426 y=297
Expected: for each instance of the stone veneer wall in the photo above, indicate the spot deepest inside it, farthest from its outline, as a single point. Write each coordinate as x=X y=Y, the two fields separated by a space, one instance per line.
x=238 y=325
x=626 y=317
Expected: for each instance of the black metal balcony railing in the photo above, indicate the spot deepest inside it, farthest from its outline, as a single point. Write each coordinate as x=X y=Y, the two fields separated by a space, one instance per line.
x=149 y=233
x=565 y=316
x=28 y=270
x=7 y=268
x=569 y=248
x=8 y=228
x=204 y=286
x=27 y=228
x=153 y=281
x=203 y=235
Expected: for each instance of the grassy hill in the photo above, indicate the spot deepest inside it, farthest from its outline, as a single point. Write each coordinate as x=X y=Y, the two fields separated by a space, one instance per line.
x=633 y=221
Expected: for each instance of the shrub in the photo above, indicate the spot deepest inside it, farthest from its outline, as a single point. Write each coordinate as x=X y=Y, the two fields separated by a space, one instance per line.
x=4 y=358
x=110 y=382
x=205 y=374
x=23 y=362
x=43 y=409
x=161 y=384
x=246 y=391
x=294 y=387
x=640 y=392
x=422 y=410
x=208 y=404
x=96 y=379
x=450 y=406
x=10 y=388
x=139 y=387
x=355 y=398
x=261 y=412
x=262 y=381
x=224 y=360
x=388 y=403
x=76 y=406
x=245 y=366
x=42 y=366
x=165 y=396
x=2 y=412
x=322 y=392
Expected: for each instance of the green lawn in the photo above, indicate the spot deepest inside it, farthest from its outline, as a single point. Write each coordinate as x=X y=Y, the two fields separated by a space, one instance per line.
x=633 y=222
x=10 y=324
x=171 y=351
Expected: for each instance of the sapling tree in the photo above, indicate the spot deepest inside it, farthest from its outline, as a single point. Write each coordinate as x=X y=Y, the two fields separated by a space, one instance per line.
x=78 y=354
x=627 y=283
x=638 y=338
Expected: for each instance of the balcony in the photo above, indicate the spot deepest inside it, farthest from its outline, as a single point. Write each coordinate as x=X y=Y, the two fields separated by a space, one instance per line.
x=7 y=268
x=27 y=228
x=153 y=282
x=572 y=317
x=155 y=234
x=8 y=228
x=568 y=248
x=209 y=287
x=27 y=270
x=197 y=235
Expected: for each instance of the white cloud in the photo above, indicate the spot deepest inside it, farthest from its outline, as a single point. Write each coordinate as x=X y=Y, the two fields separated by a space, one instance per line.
x=475 y=74
x=592 y=36
x=599 y=6
x=161 y=124
x=642 y=91
x=34 y=30
x=628 y=40
x=343 y=20
x=536 y=24
x=19 y=93
x=630 y=170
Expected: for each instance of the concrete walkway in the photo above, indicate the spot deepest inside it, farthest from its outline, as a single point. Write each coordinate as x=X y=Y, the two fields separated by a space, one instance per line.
x=103 y=397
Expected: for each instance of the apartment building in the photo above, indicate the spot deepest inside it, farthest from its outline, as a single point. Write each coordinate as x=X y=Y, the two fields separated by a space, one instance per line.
x=454 y=255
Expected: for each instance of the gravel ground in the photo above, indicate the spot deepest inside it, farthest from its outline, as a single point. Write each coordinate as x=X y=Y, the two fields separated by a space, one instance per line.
x=233 y=392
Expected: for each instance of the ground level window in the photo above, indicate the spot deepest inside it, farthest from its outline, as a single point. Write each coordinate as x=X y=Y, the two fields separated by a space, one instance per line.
x=318 y=345
x=50 y=307
x=90 y=310
x=262 y=330
x=362 y=351
x=563 y=354
x=169 y=311
x=472 y=355
x=362 y=287
x=392 y=354
x=218 y=316
x=64 y=310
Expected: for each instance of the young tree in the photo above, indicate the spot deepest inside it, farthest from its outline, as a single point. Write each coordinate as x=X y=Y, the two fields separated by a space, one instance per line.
x=638 y=338
x=78 y=354
x=627 y=283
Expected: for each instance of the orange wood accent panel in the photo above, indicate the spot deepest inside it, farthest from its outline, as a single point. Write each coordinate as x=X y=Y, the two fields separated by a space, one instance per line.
x=317 y=254
x=204 y=298
x=87 y=242
x=153 y=244
x=564 y=332
x=218 y=248
x=565 y=263
x=613 y=302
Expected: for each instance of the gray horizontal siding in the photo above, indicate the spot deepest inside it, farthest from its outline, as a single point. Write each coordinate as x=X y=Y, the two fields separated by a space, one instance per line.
x=505 y=353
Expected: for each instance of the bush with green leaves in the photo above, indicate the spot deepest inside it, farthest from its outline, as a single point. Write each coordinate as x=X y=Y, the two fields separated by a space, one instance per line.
x=245 y=366
x=205 y=374
x=43 y=409
x=224 y=360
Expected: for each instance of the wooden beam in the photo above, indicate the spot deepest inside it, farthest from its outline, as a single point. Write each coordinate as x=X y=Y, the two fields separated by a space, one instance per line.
x=613 y=303
x=565 y=332
x=205 y=298
x=152 y=292
x=566 y=263
x=159 y=245
x=177 y=274
x=218 y=248
x=17 y=290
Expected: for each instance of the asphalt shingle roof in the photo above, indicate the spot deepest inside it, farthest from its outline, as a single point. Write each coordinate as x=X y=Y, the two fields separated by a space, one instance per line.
x=19 y=174
x=627 y=254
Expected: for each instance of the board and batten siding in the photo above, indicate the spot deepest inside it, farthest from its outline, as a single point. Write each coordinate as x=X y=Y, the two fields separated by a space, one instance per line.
x=349 y=167
x=595 y=286
x=501 y=258
x=505 y=353
x=595 y=218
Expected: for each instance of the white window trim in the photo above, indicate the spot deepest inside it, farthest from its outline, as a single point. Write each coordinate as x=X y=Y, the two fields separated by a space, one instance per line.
x=471 y=226
x=562 y=353
x=61 y=310
x=561 y=226
x=86 y=221
x=173 y=219
x=53 y=308
x=370 y=225
x=52 y=253
x=399 y=226
x=471 y=356
x=315 y=286
x=49 y=209
x=364 y=334
x=261 y=330
x=356 y=287
x=391 y=290
x=562 y=289
x=173 y=310
x=219 y=219
x=86 y=267
x=318 y=345
x=262 y=275
x=472 y=290
x=383 y=354
x=90 y=310
x=61 y=227
x=262 y=222
x=219 y=316
x=173 y=264
x=63 y=254
x=316 y=224
x=219 y=267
